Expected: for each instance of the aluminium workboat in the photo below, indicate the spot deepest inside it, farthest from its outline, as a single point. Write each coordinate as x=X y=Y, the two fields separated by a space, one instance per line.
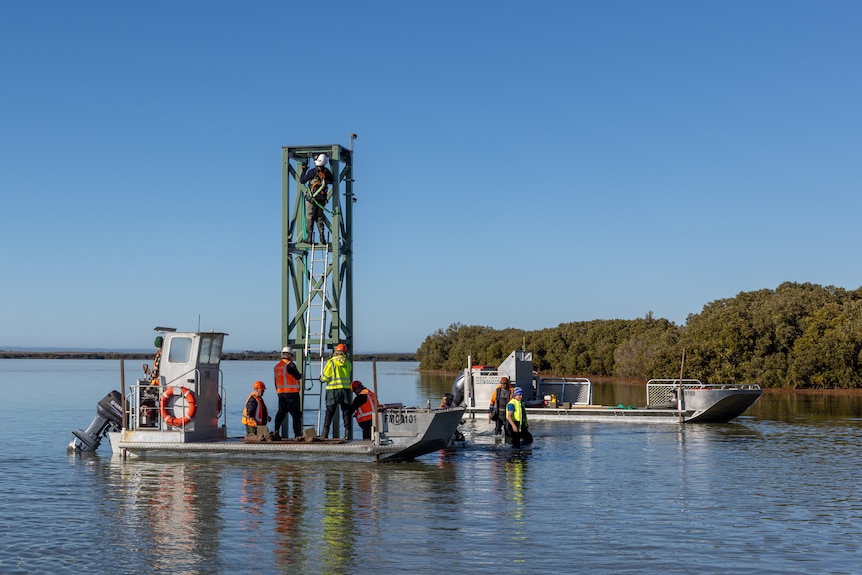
x=182 y=412
x=571 y=399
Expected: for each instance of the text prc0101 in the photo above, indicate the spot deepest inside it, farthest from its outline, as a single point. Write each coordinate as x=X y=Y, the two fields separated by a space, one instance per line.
x=401 y=418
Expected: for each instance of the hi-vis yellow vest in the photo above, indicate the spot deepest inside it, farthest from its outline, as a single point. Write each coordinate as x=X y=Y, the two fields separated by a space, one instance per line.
x=336 y=373
x=519 y=414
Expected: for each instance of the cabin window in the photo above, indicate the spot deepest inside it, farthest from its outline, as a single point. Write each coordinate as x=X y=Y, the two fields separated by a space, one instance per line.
x=181 y=350
x=210 y=350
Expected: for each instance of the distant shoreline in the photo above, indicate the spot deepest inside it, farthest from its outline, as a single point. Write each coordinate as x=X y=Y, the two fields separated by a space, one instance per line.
x=230 y=356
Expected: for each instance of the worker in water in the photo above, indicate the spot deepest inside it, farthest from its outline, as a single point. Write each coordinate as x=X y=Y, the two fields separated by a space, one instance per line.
x=336 y=377
x=153 y=374
x=255 y=412
x=318 y=179
x=499 y=399
x=364 y=406
x=288 y=380
x=516 y=418
x=447 y=401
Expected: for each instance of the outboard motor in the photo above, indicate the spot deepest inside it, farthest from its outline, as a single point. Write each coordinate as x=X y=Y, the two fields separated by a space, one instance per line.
x=458 y=389
x=109 y=417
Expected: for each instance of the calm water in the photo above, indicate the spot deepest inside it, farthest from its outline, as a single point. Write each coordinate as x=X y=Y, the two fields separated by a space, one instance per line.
x=775 y=492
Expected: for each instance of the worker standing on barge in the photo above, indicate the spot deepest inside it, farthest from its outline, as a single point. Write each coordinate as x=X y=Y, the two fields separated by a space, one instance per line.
x=364 y=407
x=516 y=417
x=287 y=383
x=336 y=377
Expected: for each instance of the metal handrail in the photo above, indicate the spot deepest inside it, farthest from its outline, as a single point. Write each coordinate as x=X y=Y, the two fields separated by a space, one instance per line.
x=697 y=384
x=567 y=382
x=663 y=392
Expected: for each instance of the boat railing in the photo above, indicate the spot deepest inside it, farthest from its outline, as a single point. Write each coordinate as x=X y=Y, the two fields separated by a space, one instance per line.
x=574 y=390
x=142 y=403
x=663 y=392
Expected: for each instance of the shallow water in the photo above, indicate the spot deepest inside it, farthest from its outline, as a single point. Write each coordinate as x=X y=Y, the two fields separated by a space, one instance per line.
x=776 y=491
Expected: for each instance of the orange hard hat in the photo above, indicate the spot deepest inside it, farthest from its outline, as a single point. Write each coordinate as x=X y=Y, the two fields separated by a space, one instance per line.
x=341 y=347
x=259 y=385
x=356 y=385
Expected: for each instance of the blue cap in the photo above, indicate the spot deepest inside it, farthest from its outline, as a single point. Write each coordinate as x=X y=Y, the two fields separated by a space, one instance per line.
x=518 y=391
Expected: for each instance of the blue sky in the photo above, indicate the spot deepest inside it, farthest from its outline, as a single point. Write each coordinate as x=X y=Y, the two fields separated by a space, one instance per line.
x=518 y=164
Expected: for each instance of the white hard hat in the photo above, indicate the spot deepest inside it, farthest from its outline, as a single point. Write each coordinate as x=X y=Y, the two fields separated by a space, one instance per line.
x=321 y=160
x=286 y=350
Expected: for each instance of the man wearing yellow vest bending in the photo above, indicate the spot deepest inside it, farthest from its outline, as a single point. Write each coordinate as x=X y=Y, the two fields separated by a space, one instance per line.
x=516 y=417
x=337 y=376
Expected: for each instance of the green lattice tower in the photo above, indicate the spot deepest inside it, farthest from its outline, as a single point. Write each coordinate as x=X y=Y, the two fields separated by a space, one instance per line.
x=295 y=250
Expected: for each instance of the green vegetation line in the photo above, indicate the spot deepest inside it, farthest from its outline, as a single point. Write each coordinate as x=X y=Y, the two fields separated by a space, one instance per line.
x=798 y=336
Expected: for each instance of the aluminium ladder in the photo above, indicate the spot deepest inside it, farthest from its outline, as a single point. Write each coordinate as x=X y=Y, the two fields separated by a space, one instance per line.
x=315 y=322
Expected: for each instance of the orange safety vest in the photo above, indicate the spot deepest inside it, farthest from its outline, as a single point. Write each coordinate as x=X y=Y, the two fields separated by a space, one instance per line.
x=367 y=409
x=260 y=415
x=284 y=381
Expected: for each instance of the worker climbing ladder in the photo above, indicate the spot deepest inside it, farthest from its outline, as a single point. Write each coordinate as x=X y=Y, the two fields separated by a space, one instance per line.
x=317 y=278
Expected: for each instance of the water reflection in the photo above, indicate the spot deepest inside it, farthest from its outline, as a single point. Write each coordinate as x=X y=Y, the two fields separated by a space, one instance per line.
x=812 y=406
x=432 y=386
x=290 y=507
x=168 y=515
x=775 y=491
x=515 y=469
x=516 y=518
x=337 y=534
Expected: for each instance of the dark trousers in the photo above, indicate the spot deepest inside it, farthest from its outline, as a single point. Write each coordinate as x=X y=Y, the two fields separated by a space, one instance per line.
x=365 y=426
x=314 y=214
x=288 y=403
x=500 y=423
x=335 y=399
x=520 y=438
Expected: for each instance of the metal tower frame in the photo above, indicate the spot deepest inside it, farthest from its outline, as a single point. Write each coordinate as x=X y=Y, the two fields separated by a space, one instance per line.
x=296 y=264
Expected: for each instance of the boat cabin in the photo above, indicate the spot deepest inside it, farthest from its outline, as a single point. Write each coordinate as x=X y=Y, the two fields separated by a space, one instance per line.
x=186 y=393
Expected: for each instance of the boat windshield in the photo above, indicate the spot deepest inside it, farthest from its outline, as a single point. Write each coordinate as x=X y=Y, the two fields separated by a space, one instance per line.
x=210 y=350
